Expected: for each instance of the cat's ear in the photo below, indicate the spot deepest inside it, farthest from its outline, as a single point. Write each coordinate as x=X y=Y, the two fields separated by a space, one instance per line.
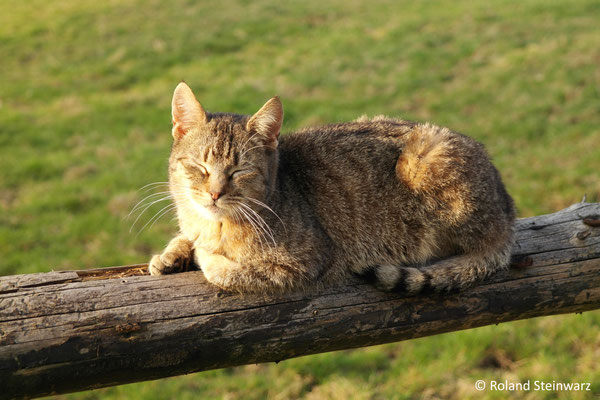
x=267 y=121
x=187 y=112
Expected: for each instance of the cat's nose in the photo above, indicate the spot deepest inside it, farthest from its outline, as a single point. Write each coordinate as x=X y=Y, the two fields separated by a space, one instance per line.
x=215 y=195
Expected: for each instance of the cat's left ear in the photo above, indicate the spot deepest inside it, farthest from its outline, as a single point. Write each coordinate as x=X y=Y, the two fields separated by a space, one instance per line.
x=187 y=113
x=267 y=121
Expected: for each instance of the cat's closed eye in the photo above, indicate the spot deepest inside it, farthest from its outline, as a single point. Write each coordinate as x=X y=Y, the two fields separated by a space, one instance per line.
x=243 y=176
x=238 y=173
x=195 y=170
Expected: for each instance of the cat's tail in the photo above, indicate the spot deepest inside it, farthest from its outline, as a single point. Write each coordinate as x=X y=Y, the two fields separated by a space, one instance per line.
x=454 y=273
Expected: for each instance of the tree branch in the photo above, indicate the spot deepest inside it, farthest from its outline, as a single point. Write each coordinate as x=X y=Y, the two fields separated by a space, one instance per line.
x=75 y=330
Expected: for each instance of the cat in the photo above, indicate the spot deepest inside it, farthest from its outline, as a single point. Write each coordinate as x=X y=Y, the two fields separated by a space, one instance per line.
x=411 y=207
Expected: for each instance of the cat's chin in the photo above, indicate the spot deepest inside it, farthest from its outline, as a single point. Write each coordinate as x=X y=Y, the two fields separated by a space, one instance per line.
x=211 y=213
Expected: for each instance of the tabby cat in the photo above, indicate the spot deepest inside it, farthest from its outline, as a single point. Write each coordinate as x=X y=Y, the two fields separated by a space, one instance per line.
x=409 y=206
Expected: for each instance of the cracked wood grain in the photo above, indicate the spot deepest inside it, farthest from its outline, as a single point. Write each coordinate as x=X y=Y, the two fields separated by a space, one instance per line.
x=75 y=330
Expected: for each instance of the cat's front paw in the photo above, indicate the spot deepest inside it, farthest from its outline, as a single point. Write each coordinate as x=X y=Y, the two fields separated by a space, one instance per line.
x=207 y=263
x=168 y=263
x=218 y=270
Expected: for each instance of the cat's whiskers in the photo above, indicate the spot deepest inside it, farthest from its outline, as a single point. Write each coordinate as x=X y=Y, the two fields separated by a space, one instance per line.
x=167 y=186
x=239 y=210
x=255 y=228
x=167 y=194
x=235 y=216
x=168 y=209
x=152 y=200
x=270 y=233
x=146 y=209
x=152 y=185
x=239 y=220
x=252 y=148
x=254 y=223
x=150 y=196
x=259 y=221
x=243 y=146
x=260 y=203
x=265 y=227
x=237 y=213
x=156 y=217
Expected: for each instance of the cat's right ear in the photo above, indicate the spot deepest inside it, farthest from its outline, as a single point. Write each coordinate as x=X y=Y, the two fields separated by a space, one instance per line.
x=267 y=121
x=187 y=112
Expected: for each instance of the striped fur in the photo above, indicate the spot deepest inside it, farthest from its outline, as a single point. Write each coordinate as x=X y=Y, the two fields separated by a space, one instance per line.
x=410 y=206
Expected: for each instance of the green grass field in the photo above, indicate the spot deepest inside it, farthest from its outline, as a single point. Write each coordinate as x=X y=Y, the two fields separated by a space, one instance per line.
x=85 y=91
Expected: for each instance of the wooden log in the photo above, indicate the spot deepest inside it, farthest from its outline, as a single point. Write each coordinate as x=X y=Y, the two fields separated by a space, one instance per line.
x=69 y=331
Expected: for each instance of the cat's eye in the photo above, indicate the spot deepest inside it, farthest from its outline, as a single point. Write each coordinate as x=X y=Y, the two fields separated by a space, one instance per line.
x=238 y=173
x=195 y=169
x=202 y=170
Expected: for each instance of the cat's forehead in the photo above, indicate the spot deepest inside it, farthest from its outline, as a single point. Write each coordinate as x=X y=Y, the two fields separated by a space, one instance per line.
x=221 y=140
x=223 y=149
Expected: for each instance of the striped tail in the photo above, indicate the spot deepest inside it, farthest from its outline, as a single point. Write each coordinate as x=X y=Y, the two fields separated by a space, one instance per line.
x=454 y=273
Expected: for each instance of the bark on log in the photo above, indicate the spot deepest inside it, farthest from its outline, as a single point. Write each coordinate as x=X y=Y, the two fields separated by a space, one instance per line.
x=69 y=331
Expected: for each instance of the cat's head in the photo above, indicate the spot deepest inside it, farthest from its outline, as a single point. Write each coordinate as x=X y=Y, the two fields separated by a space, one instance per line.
x=222 y=164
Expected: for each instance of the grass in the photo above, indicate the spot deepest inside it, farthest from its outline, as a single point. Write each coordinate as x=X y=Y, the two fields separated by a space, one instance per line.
x=85 y=122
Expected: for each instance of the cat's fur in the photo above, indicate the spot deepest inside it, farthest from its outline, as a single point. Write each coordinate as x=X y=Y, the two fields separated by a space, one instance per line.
x=382 y=198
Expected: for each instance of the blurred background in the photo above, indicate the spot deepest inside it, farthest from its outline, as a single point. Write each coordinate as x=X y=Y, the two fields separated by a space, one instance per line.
x=85 y=91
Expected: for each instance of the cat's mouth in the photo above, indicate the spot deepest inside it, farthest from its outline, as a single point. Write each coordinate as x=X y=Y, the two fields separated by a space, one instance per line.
x=208 y=210
x=213 y=208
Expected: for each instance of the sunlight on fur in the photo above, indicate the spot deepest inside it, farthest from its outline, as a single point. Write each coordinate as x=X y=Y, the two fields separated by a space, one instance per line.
x=380 y=198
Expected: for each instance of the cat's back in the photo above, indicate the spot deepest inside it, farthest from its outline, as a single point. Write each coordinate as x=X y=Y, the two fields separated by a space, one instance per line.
x=343 y=152
x=376 y=183
x=380 y=151
x=343 y=137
